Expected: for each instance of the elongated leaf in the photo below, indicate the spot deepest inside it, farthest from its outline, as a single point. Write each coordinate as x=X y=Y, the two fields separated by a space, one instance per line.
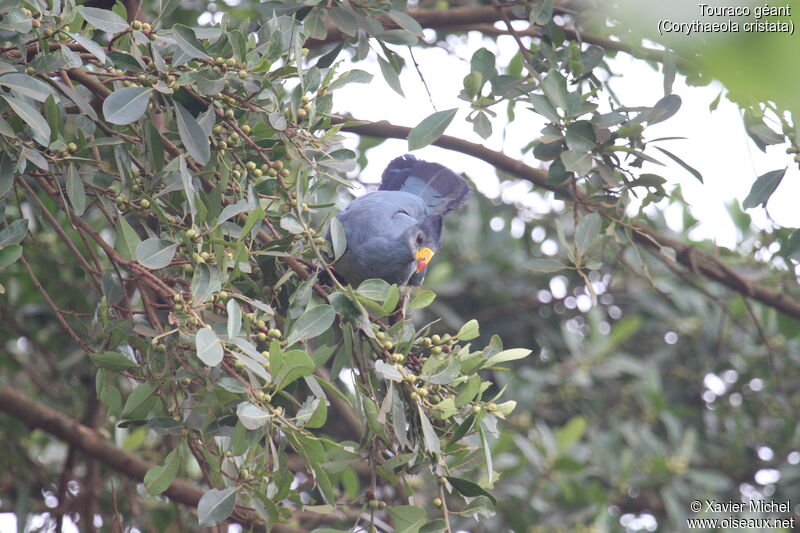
x=587 y=231
x=92 y=47
x=75 y=191
x=209 y=347
x=104 y=19
x=313 y=322
x=507 y=355
x=126 y=240
x=192 y=135
x=234 y=318
x=215 y=506
x=25 y=85
x=430 y=129
x=187 y=42
x=14 y=233
x=9 y=255
x=296 y=364
x=391 y=77
x=29 y=116
x=338 y=239
x=763 y=188
x=469 y=488
x=111 y=360
x=408 y=518
x=126 y=105
x=579 y=163
x=140 y=401
x=160 y=477
x=691 y=170
x=188 y=186
x=155 y=253
x=546 y=265
x=428 y=433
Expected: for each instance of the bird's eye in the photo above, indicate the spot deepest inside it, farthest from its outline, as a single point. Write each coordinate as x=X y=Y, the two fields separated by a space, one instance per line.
x=420 y=239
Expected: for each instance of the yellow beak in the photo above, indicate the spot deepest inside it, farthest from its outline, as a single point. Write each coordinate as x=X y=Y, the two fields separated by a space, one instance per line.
x=423 y=258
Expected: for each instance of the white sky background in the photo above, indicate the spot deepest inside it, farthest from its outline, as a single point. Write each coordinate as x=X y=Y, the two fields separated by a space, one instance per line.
x=716 y=143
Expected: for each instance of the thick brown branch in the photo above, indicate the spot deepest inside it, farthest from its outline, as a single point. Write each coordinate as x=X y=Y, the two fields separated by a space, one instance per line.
x=482 y=19
x=689 y=256
x=36 y=415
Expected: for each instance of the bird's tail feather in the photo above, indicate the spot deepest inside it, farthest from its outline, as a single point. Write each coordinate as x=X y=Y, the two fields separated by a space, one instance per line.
x=442 y=189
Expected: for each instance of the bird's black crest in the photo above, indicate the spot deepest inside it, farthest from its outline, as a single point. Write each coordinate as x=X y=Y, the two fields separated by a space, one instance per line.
x=442 y=189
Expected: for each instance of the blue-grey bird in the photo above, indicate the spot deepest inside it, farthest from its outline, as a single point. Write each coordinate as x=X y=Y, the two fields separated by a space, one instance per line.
x=392 y=233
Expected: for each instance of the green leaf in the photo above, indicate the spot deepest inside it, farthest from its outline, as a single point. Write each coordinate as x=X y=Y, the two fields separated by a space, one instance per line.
x=313 y=322
x=546 y=265
x=690 y=169
x=25 y=85
x=473 y=83
x=104 y=19
x=581 y=137
x=423 y=299
x=406 y=22
x=440 y=370
x=408 y=518
x=388 y=371
x=469 y=331
x=126 y=105
x=234 y=318
x=155 y=253
x=554 y=86
x=209 y=347
x=507 y=355
x=192 y=135
x=9 y=255
x=188 y=43
x=483 y=61
x=391 y=76
x=541 y=12
x=29 y=116
x=579 y=163
x=338 y=238
x=351 y=76
x=430 y=129
x=111 y=360
x=251 y=416
x=428 y=433
x=469 y=489
x=126 y=240
x=296 y=364
x=763 y=188
x=140 y=401
x=215 y=506
x=14 y=233
x=374 y=289
x=75 y=191
x=92 y=47
x=571 y=432
x=159 y=478
x=587 y=231
x=398 y=37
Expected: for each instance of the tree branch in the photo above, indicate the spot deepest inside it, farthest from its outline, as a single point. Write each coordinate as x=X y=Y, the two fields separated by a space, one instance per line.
x=36 y=415
x=689 y=256
x=482 y=19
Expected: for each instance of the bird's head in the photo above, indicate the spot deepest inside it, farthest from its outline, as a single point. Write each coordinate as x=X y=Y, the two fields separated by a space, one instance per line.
x=425 y=239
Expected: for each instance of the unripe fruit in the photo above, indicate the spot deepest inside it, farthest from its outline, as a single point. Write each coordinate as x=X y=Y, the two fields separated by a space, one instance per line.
x=246 y=128
x=302 y=113
x=242 y=73
x=274 y=333
x=437 y=502
x=436 y=350
x=144 y=203
x=261 y=336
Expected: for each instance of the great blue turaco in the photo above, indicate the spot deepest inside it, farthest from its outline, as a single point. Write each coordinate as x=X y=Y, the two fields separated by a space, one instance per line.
x=393 y=233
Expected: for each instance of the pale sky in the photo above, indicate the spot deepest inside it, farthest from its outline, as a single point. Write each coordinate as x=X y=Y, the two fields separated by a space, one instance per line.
x=717 y=144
